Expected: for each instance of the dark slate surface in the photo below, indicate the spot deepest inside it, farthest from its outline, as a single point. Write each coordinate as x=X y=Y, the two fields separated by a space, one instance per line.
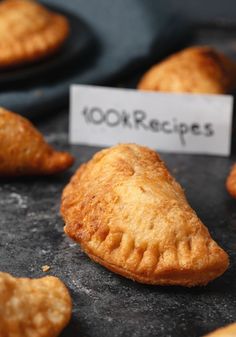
x=31 y=235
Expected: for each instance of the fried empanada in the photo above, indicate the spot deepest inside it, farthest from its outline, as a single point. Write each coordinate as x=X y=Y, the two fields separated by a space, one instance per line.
x=29 y=32
x=193 y=70
x=33 y=307
x=227 y=331
x=130 y=215
x=23 y=150
x=231 y=182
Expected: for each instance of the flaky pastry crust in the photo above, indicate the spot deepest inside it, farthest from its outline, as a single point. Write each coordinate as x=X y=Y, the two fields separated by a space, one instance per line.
x=227 y=331
x=33 y=307
x=23 y=150
x=192 y=70
x=130 y=215
x=29 y=32
x=231 y=182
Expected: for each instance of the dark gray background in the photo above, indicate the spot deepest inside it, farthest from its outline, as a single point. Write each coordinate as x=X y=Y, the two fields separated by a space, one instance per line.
x=204 y=10
x=200 y=10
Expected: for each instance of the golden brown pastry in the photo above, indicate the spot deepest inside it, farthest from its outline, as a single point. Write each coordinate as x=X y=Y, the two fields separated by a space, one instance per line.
x=130 y=215
x=193 y=70
x=227 y=331
x=23 y=150
x=231 y=182
x=29 y=32
x=33 y=307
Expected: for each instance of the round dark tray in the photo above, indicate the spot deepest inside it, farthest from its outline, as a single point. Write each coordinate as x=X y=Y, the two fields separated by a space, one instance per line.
x=77 y=43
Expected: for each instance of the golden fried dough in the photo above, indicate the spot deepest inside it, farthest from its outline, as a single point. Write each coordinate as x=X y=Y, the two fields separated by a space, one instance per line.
x=33 y=307
x=130 y=215
x=29 y=32
x=227 y=331
x=193 y=70
x=231 y=182
x=23 y=150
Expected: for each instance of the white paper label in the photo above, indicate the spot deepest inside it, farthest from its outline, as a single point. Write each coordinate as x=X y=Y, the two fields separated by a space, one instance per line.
x=186 y=123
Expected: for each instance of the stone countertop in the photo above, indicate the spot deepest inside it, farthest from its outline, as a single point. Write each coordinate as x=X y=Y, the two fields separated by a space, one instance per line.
x=105 y=304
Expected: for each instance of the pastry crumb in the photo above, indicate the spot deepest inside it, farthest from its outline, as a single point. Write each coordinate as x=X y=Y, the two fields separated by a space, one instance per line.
x=45 y=268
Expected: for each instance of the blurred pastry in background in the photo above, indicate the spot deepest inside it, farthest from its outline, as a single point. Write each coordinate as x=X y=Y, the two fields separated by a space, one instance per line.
x=23 y=150
x=33 y=307
x=231 y=182
x=130 y=215
x=227 y=331
x=29 y=32
x=192 y=70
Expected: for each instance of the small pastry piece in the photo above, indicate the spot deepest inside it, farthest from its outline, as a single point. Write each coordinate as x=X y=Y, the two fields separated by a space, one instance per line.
x=29 y=32
x=33 y=307
x=193 y=70
x=23 y=150
x=227 y=331
x=231 y=182
x=130 y=215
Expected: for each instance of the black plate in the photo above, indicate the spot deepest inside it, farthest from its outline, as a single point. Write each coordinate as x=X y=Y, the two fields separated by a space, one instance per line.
x=115 y=52
x=78 y=42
